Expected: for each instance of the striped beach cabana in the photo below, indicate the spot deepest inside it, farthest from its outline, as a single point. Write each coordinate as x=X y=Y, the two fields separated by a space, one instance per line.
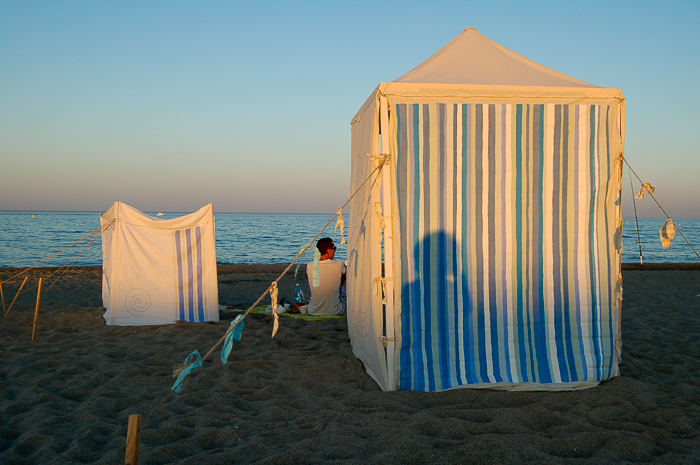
x=487 y=252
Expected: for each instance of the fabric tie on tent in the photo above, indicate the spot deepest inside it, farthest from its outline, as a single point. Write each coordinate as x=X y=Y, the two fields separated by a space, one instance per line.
x=618 y=287
x=618 y=235
x=643 y=191
x=233 y=336
x=187 y=370
x=667 y=233
x=317 y=259
x=273 y=308
x=382 y=159
x=378 y=210
x=341 y=223
x=380 y=283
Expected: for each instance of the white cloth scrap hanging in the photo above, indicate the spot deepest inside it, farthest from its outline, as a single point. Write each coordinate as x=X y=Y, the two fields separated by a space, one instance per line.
x=317 y=259
x=377 y=285
x=273 y=307
x=341 y=223
x=643 y=191
x=667 y=233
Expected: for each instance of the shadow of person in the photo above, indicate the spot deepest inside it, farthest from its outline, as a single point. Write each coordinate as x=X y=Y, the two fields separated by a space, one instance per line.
x=428 y=299
x=450 y=333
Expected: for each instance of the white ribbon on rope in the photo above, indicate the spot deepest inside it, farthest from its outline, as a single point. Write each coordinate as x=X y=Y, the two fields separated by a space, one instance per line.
x=643 y=191
x=273 y=307
x=317 y=258
x=667 y=233
x=341 y=223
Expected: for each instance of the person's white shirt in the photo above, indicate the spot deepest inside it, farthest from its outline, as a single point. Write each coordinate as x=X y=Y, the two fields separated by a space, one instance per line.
x=324 y=298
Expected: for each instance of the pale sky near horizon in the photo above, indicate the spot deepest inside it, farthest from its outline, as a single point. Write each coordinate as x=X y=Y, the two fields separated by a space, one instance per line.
x=247 y=105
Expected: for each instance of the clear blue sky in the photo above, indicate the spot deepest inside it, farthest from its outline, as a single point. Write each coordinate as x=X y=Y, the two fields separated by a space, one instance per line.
x=172 y=105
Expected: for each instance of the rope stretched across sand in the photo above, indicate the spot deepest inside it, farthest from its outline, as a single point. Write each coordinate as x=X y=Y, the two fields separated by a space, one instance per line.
x=176 y=372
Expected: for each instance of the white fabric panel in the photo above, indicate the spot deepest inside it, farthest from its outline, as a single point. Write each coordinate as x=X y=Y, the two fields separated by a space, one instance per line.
x=158 y=271
x=365 y=319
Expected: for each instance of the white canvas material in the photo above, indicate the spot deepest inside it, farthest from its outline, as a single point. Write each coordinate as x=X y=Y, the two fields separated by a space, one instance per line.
x=470 y=58
x=158 y=271
x=364 y=263
x=504 y=179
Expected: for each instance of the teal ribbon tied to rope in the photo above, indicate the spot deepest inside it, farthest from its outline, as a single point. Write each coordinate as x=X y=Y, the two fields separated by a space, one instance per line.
x=190 y=366
x=233 y=336
x=317 y=258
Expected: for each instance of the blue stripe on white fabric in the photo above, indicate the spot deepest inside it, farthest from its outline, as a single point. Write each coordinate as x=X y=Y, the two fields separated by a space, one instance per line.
x=190 y=280
x=480 y=300
x=200 y=279
x=180 y=280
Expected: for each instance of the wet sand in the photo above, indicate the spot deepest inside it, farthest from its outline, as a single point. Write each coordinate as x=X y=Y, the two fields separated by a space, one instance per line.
x=303 y=397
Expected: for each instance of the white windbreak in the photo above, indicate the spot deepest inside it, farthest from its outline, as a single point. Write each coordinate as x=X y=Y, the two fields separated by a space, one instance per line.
x=158 y=271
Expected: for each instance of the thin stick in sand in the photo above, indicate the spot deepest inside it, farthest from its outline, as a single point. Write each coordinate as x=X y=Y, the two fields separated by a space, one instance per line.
x=133 y=439
x=36 y=311
x=17 y=295
x=2 y=296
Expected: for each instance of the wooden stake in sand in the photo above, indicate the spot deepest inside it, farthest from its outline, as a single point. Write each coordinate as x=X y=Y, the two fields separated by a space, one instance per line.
x=2 y=296
x=36 y=311
x=133 y=438
x=17 y=295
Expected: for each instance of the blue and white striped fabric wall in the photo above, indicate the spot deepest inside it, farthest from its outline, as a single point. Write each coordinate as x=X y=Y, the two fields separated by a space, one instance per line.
x=506 y=219
x=190 y=291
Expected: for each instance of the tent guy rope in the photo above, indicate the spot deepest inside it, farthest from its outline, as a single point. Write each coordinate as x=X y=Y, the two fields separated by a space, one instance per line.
x=383 y=159
x=639 y=239
x=651 y=193
x=60 y=271
x=97 y=231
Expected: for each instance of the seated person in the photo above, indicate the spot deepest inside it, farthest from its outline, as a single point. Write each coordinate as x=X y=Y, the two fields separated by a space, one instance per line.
x=328 y=297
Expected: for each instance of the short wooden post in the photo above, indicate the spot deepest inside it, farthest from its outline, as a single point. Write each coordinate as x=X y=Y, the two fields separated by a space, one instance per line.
x=2 y=296
x=16 y=295
x=133 y=438
x=36 y=311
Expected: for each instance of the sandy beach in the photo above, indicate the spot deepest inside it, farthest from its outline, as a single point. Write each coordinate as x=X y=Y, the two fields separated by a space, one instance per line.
x=303 y=397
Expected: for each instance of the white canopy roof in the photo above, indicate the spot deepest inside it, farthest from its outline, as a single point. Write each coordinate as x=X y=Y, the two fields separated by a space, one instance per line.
x=471 y=58
x=476 y=69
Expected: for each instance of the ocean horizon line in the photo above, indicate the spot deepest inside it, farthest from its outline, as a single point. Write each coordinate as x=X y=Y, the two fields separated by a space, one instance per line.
x=168 y=211
x=675 y=219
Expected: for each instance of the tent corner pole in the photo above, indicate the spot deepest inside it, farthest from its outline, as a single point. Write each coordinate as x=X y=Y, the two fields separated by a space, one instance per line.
x=388 y=244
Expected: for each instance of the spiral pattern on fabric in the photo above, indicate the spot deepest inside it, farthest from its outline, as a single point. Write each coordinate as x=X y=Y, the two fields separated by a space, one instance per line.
x=138 y=300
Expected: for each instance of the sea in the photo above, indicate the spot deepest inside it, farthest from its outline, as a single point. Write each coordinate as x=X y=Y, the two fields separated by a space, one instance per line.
x=27 y=238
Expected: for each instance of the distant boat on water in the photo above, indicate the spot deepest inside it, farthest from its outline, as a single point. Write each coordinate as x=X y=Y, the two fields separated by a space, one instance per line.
x=160 y=214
